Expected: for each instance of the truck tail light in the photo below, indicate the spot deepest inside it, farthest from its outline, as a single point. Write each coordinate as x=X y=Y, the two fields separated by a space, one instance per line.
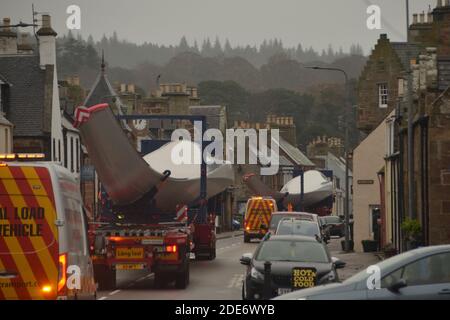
x=172 y=248
x=62 y=274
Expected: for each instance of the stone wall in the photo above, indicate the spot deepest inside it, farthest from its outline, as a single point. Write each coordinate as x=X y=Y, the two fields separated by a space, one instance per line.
x=383 y=66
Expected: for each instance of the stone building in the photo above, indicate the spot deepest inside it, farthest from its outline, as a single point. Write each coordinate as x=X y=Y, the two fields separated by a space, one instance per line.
x=328 y=154
x=429 y=61
x=291 y=159
x=170 y=98
x=31 y=100
x=378 y=83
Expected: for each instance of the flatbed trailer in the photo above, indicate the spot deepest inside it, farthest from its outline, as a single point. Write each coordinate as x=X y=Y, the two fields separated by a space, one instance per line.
x=163 y=249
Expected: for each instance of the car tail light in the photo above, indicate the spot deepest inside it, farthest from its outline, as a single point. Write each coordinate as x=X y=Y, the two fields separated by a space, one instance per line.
x=62 y=274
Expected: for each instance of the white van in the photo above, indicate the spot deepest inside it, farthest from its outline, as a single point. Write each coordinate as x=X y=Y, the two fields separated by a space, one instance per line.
x=44 y=251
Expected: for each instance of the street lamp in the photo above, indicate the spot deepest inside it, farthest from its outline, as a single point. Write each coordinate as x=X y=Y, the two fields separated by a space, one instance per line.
x=347 y=187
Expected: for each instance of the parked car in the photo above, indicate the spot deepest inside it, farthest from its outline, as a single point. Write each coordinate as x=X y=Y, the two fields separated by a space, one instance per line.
x=296 y=262
x=422 y=273
x=293 y=226
x=334 y=225
x=279 y=215
x=236 y=225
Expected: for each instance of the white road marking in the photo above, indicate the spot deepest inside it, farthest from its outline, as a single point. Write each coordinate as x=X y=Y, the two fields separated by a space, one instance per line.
x=114 y=292
x=103 y=298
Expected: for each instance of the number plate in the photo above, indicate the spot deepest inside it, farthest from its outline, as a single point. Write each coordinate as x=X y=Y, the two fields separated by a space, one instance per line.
x=130 y=253
x=284 y=291
x=130 y=266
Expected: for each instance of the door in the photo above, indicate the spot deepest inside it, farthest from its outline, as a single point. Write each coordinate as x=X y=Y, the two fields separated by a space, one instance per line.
x=426 y=278
x=28 y=235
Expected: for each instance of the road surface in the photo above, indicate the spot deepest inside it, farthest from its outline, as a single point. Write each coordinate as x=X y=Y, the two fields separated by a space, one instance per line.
x=220 y=279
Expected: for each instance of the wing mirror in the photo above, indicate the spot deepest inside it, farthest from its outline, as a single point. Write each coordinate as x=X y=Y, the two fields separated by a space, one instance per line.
x=246 y=259
x=338 y=264
x=396 y=286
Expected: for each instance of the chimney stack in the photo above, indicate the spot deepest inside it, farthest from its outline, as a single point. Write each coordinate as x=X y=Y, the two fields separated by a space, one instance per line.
x=439 y=3
x=8 y=43
x=47 y=42
x=24 y=46
x=415 y=18
x=6 y=24
x=430 y=17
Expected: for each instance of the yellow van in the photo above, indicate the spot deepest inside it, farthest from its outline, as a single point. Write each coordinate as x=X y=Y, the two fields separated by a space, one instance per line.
x=44 y=250
x=257 y=217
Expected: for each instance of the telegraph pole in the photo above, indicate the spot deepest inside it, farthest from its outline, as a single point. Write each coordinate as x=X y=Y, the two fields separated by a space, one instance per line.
x=346 y=147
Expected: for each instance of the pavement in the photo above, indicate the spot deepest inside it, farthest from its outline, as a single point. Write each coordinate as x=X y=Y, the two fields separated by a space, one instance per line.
x=230 y=234
x=220 y=279
x=355 y=261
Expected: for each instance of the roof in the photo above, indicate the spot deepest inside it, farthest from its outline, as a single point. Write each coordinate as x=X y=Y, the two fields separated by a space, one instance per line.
x=295 y=154
x=406 y=51
x=3 y=80
x=212 y=113
x=292 y=237
x=4 y=121
x=27 y=93
x=103 y=92
x=67 y=124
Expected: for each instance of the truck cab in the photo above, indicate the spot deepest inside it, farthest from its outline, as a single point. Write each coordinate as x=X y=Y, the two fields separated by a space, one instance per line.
x=257 y=217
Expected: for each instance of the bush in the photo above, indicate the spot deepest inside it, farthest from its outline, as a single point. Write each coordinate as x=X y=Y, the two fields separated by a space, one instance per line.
x=411 y=229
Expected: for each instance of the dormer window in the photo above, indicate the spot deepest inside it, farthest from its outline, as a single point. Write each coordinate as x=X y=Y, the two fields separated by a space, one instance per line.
x=383 y=95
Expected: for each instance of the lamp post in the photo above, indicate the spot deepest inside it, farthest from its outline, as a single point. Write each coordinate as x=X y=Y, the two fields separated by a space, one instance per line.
x=346 y=147
x=410 y=141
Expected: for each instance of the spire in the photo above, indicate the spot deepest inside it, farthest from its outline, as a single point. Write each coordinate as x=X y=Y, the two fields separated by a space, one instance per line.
x=103 y=62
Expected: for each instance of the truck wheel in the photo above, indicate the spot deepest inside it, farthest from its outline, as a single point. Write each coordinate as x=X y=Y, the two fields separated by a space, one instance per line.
x=246 y=238
x=212 y=254
x=105 y=277
x=109 y=280
x=182 y=278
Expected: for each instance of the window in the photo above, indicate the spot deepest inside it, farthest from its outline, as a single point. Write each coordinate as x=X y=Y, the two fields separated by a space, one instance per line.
x=382 y=95
x=430 y=270
x=77 y=155
x=71 y=154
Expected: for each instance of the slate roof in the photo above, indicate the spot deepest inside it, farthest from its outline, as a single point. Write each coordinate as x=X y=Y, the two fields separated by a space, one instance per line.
x=295 y=154
x=213 y=114
x=403 y=49
x=103 y=92
x=27 y=93
x=3 y=79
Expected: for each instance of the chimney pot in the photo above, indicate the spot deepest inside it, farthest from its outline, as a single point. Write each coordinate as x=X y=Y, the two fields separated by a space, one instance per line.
x=422 y=17
x=46 y=29
x=46 y=21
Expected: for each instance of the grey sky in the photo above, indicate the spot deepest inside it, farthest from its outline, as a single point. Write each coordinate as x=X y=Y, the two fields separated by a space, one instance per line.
x=311 y=22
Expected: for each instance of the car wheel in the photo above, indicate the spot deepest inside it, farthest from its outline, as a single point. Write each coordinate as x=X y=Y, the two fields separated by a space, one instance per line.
x=244 y=291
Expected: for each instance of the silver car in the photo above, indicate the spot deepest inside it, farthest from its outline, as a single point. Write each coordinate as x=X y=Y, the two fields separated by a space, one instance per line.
x=418 y=274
